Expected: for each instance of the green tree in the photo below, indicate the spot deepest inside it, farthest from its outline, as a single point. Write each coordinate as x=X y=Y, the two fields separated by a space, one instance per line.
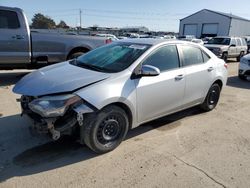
x=39 y=21
x=62 y=24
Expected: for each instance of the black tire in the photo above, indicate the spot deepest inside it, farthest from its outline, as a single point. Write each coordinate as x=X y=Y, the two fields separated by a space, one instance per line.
x=240 y=56
x=105 y=130
x=224 y=56
x=242 y=77
x=212 y=98
x=75 y=55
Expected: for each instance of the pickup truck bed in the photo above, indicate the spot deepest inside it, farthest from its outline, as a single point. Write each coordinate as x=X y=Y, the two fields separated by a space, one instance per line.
x=21 y=48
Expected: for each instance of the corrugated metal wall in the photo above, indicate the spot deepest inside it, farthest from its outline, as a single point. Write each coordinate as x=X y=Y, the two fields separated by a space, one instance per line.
x=207 y=17
x=239 y=28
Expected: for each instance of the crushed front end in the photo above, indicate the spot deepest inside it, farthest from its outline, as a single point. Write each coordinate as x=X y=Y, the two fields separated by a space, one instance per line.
x=55 y=115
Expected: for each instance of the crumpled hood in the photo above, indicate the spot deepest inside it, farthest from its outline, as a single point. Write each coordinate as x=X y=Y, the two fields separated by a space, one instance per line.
x=58 y=78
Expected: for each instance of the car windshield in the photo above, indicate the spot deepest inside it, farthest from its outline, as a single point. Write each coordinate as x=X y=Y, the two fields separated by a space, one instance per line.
x=222 y=41
x=112 y=58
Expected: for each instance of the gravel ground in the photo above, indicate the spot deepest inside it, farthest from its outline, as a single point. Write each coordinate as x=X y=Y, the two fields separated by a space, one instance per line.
x=187 y=149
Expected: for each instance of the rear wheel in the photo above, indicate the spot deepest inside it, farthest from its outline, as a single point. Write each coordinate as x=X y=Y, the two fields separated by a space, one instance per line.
x=104 y=131
x=240 y=56
x=212 y=98
x=224 y=56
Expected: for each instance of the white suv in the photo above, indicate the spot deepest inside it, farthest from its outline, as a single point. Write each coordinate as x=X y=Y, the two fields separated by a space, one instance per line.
x=244 y=67
x=227 y=47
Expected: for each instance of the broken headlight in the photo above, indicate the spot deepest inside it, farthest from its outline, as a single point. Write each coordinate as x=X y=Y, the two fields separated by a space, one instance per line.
x=53 y=106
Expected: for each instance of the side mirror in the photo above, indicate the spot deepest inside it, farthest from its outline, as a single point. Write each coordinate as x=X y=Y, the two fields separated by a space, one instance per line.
x=232 y=45
x=147 y=70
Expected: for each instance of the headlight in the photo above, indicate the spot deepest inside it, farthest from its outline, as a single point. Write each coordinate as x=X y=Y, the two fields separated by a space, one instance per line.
x=53 y=106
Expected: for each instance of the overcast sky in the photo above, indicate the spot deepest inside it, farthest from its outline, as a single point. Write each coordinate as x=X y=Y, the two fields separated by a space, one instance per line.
x=154 y=14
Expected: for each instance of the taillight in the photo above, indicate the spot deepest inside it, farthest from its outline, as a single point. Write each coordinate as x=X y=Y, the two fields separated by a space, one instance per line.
x=225 y=65
x=107 y=41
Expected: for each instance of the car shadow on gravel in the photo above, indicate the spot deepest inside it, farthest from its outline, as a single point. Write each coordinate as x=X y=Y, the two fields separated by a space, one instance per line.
x=8 y=78
x=22 y=154
x=40 y=157
x=235 y=81
x=165 y=123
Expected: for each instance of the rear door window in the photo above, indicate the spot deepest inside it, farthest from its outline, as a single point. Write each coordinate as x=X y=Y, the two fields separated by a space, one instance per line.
x=192 y=55
x=244 y=43
x=205 y=57
x=8 y=20
x=238 y=42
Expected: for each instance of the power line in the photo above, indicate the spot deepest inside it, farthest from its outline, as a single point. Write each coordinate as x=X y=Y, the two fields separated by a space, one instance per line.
x=111 y=12
x=128 y=18
x=81 y=13
x=52 y=11
x=65 y=15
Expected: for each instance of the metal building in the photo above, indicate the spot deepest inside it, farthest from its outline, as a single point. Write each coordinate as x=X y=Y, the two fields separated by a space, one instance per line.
x=208 y=23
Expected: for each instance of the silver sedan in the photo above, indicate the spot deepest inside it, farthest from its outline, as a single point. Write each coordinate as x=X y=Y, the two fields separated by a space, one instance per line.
x=101 y=95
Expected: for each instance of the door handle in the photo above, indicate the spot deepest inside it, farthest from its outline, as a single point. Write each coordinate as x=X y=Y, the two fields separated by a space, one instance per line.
x=18 y=37
x=210 y=69
x=179 y=77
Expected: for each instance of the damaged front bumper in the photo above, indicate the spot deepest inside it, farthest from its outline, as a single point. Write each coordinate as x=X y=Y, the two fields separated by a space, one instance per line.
x=65 y=124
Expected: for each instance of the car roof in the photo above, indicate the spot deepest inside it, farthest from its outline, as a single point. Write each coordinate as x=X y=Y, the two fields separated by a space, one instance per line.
x=228 y=37
x=151 y=41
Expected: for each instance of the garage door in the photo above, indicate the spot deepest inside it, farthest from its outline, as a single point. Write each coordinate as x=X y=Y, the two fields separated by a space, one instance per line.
x=210 y=29
x=190 y=29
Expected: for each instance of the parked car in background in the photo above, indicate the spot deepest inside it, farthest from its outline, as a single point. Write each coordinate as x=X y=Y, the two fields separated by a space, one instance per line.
x=225 y=47
x=133 y=35
x=198 y=41
x=186 y=37
x=157 y=37
x=110 y=36
x=107 y=91
x=244 y=67
x=121 y=37
x=20 y=48
x=206 y=39
x=169 y=37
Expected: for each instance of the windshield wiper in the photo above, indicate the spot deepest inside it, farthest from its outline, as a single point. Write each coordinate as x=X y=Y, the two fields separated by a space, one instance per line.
x=89 y=66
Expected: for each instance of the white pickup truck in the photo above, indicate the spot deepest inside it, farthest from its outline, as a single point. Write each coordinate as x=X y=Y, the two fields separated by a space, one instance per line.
x=21 y=48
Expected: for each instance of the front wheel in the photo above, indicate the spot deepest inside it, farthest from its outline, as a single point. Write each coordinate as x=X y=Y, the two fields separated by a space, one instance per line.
x=242 y=77
x=104 y=131
x=212 y=98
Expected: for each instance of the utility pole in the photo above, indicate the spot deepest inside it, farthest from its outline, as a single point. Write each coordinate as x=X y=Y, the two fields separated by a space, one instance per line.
x=80 y=18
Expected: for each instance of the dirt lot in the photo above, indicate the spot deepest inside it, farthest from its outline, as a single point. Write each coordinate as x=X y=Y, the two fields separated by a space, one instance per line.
x=187 y=149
